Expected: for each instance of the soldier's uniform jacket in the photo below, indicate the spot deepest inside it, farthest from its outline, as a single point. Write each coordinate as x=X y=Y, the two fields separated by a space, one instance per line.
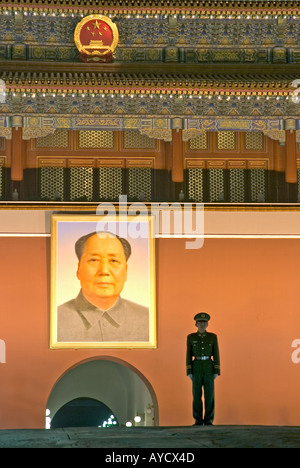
x=203 y=349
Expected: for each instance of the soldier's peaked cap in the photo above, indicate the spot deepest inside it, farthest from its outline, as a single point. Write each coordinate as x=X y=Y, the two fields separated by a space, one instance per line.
x=202 y=317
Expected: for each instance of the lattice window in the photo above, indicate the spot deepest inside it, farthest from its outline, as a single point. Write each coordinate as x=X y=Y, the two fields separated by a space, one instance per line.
x=52 y=183
x=134 y=139
x=140 y=183
x=195 y=184
x=1 y=183
x=81 y=183
x=58 y=139
x=298 y=181
x=257 y=185
x=226 y=140
x=2 y=144
x=199 y=143
x=110 y=182
x=96 y=139
x=237 y=185
x=254 y=141
x=216 y=185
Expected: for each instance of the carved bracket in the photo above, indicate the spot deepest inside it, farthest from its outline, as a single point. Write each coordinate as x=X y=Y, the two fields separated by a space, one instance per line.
x=191 y=133
x=276 y=135
x=158 y=133
x=6 y=133
x=29 y=132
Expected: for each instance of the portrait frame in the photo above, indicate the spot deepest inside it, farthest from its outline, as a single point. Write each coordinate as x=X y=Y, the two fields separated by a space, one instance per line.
x=139 y=288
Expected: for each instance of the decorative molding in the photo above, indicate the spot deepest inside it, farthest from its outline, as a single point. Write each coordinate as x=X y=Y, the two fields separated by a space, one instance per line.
x=140 y=162
x=237 y=164
x=233 y=124
x=223 y=163
x=41 y=79
x=35 y=126
x=228 y=9
x=54 y=162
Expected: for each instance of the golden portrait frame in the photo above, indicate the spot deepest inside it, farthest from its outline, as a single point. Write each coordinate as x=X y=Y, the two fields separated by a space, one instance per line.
x=76 y=323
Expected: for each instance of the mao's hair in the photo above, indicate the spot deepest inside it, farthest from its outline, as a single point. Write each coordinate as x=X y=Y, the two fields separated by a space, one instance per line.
x=80 y=243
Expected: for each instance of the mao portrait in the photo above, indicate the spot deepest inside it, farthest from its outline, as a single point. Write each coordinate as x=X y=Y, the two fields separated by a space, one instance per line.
x=111 y=303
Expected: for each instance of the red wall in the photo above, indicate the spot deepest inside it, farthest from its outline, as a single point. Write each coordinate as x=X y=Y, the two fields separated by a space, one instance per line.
x=249 y=286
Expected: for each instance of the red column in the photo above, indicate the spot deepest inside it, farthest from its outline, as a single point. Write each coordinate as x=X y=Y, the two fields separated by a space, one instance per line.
x=17 y=147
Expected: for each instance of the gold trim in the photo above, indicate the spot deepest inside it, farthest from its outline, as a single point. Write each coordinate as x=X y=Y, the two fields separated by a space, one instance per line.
x=81 y=219
x=84 y=49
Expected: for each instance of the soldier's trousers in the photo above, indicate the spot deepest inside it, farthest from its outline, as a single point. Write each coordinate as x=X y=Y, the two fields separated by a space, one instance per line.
x=203 y=382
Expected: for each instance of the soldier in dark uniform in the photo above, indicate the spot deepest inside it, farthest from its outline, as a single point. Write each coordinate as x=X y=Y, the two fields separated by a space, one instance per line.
x=202 y=367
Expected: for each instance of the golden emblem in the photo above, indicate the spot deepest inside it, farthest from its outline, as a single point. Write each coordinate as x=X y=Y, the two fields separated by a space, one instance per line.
x=96 y=37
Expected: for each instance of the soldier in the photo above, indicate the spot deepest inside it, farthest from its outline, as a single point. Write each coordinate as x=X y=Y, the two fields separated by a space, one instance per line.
x=202 y=367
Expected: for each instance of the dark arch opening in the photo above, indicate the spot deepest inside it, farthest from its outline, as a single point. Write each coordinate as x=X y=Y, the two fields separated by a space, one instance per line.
x=83 y=412
x=126 y=392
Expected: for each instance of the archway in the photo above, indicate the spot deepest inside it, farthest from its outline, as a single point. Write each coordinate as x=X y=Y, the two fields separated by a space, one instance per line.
x=112 y=382
x=83 y=412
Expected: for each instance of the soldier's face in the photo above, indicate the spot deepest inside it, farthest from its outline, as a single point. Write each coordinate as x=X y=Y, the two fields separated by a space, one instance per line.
x=102 y=269
x=202 y=326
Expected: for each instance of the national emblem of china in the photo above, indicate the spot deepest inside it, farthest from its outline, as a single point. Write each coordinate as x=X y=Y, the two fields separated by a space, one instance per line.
x=96 y=37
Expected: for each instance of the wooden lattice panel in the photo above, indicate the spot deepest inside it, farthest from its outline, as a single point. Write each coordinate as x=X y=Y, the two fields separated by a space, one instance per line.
x=81 y=183
x=257 y=185
x=226 y=140
x=1 y=183
x=216 y=185
x=195 y=184
x=298 y=180
x=254 y=141
x=134 y=139
x=199 y=143
x=140 y=183
x=237 y=185
x=51 y=182
x=58 y=139
x=110 y=182
x=96 y=139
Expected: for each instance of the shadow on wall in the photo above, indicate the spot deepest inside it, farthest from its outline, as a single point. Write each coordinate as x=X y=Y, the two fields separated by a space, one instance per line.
x=114 y=384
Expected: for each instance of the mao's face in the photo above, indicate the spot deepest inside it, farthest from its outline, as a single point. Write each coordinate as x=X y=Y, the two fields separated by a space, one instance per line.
x=102 y=269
